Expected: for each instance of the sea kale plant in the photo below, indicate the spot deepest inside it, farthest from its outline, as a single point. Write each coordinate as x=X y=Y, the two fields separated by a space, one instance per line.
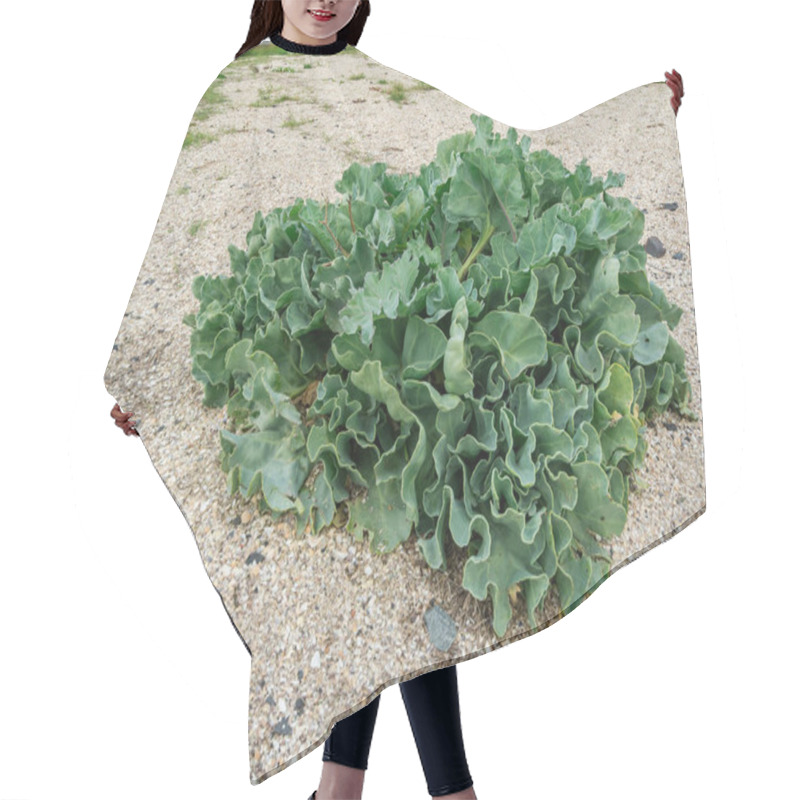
x=470 y=353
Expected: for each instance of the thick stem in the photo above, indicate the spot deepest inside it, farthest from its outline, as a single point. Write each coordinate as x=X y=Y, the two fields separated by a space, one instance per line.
x=479 y=245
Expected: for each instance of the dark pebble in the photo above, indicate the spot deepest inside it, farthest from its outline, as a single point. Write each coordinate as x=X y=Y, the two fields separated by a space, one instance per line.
x=669 y=206
x=654 y=247
x=678 y=256
x=254 y=558
x=283 y=727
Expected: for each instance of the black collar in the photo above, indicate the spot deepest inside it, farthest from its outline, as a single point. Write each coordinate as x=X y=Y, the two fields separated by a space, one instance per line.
x=308 y=49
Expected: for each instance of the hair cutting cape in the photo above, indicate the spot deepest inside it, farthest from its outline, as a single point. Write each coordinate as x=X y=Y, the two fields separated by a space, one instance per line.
x=418 y=381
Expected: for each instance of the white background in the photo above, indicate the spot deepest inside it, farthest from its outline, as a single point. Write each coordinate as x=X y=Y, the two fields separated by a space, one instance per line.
x=121 y=675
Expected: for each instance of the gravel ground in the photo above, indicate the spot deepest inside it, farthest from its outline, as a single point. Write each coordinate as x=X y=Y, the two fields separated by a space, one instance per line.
x=322 y=612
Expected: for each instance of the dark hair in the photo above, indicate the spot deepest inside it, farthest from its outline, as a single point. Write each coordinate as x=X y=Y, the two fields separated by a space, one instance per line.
x=266 y=18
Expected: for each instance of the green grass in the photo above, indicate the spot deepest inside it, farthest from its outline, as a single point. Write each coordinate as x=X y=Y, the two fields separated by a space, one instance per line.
x=196 y=226
x=295 y=123
x=264 y=52
x=353 y=153
x=266 y=99
x=358 y=77
x=211 y=100
x=210 y=103
x=397 y=92
x=196 y=138
x=259 y=53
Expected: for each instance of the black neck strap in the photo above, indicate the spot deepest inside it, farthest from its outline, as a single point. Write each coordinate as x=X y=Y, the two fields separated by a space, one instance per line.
x=308 y=49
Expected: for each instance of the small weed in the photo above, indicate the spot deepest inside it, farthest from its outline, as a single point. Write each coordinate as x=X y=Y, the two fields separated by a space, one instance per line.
x=184 y=189
x=265 y=98
x=397 y=92
x=306 y=65
x=283 y=69
x=210 y=101
x=196 y=226
x=261 y=53
x=383 y=81
x=295 y=123
x=195 y=138
x=358 y=77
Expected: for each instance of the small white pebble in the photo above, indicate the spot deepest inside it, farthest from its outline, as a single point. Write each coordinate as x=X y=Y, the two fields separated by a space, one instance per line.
x=315 y=659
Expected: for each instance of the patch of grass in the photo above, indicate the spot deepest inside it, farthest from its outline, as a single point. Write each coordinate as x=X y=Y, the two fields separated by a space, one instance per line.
x=196 y=138
x=195 y=227
x=383 y=81
x=211 y=100
x=397 y=92
x=184 y=189
x=423 y=87
x=261 y=53
x=283 y=69
x=307 y=65
x=266 y=98
x=327 y=107
x=295 y=123
x=353 y=153
x=358 y=77
x=264 y=52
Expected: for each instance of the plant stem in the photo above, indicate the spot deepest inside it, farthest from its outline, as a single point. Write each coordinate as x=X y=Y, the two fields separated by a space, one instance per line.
x=479 y=245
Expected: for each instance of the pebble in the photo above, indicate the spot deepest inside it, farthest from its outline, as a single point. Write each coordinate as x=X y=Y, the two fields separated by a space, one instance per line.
x=654 y=247
x=442 y=629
